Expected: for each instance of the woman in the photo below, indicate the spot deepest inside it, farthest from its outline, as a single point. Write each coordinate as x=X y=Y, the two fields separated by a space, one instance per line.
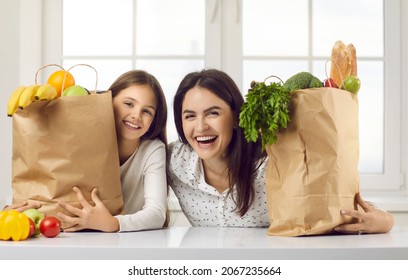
x=206 y=167
x=140 y=117
x=218 y=177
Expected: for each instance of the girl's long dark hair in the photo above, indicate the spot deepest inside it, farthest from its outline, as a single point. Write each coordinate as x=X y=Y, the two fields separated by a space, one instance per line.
x=242 y=157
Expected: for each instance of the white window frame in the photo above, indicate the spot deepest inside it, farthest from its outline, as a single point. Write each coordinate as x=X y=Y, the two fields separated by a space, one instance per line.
x=223 y=52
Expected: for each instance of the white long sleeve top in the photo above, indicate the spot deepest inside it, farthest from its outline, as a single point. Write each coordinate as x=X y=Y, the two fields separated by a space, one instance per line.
x=144 y=188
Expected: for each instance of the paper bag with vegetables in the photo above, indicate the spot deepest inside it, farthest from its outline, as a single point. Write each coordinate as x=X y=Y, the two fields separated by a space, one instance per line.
x=64 y=136
x=310 y=134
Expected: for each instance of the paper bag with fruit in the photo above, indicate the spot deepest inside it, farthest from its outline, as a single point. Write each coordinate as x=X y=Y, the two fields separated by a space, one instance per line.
x=310 y=133
x=63 y=136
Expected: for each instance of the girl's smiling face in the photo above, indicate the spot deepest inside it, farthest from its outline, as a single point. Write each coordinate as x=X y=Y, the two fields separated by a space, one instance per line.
x=208 y=123
x=134 y=108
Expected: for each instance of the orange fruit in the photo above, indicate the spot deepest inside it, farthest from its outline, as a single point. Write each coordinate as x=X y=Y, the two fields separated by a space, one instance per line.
x=56 y=79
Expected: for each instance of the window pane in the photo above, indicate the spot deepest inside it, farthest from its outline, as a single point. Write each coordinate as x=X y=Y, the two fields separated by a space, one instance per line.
x=107 y=71
x=275 y=28
x=371 y=113
x=371 y=116
x=174 y=27
x=93 y=27
x=353 y=21
x=170 y=77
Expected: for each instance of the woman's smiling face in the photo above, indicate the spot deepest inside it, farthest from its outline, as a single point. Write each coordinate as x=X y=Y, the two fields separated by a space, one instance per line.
x=134 y=108
x=208 y=123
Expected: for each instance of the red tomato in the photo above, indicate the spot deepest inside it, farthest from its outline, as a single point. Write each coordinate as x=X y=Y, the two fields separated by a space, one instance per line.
x=50 y=226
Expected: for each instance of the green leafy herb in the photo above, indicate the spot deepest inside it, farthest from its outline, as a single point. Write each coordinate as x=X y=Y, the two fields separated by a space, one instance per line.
x=265 y=111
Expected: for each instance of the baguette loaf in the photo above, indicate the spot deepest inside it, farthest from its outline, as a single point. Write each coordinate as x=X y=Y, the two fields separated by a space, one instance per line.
x=343 y=62
x=353 y=55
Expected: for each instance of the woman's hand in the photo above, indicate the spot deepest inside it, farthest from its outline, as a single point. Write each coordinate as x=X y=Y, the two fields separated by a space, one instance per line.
x=22 y=206
x=372 y=220
x=95 y=216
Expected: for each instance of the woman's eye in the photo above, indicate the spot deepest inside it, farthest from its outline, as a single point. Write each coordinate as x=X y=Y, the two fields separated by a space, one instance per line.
x=128 y=104
x=187 y=117
x=213 y=113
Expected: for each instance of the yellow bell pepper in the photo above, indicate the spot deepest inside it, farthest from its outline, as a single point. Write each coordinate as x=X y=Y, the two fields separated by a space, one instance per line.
x=14 y=225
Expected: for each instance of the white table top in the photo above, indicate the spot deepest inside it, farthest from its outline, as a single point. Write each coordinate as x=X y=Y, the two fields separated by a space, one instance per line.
x=208 y=243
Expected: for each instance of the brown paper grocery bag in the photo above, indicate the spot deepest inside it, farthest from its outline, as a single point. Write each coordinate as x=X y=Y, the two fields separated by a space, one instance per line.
x=64 y=142
x=312 y=170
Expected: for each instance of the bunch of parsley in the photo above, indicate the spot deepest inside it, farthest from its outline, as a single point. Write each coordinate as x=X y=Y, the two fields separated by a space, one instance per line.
x=265 y=111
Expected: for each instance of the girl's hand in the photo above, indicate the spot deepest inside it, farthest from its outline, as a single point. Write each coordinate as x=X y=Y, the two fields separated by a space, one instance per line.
x=22 y=206
x=95 y=216
x=372 y=220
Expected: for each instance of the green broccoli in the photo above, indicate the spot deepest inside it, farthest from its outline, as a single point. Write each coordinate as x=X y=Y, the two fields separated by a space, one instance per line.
x=302 y=80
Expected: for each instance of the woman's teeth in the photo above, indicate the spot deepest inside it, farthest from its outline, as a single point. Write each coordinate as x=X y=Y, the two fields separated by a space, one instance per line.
x=205 y=138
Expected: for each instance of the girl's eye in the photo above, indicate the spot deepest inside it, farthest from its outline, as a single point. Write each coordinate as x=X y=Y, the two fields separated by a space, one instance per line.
x=147 y=112
x=128 y=104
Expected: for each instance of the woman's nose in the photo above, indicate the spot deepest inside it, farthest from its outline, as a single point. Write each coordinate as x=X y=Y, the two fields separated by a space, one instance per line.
x=202 y=125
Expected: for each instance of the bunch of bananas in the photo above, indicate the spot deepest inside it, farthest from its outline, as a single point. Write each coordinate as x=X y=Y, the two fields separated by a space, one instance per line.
x=23 y=96
x=59 y=83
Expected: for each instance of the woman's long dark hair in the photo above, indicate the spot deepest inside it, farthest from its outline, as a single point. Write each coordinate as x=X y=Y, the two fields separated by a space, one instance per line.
x=140 y=77
x=242 y=157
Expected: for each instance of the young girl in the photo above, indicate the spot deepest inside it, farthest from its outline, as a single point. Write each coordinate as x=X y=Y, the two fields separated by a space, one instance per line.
x=218 y=177
x=140 y=116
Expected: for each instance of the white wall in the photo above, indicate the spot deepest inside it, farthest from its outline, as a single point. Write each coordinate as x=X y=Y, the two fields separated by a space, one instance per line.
x=9 y=73
x=20 y=56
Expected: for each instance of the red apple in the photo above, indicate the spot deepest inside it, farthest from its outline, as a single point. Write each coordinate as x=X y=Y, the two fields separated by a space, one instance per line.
x=330 y=83
x=50 y=226
x=32 y=228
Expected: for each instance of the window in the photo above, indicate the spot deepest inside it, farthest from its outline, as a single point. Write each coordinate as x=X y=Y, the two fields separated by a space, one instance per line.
x=250 y=40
